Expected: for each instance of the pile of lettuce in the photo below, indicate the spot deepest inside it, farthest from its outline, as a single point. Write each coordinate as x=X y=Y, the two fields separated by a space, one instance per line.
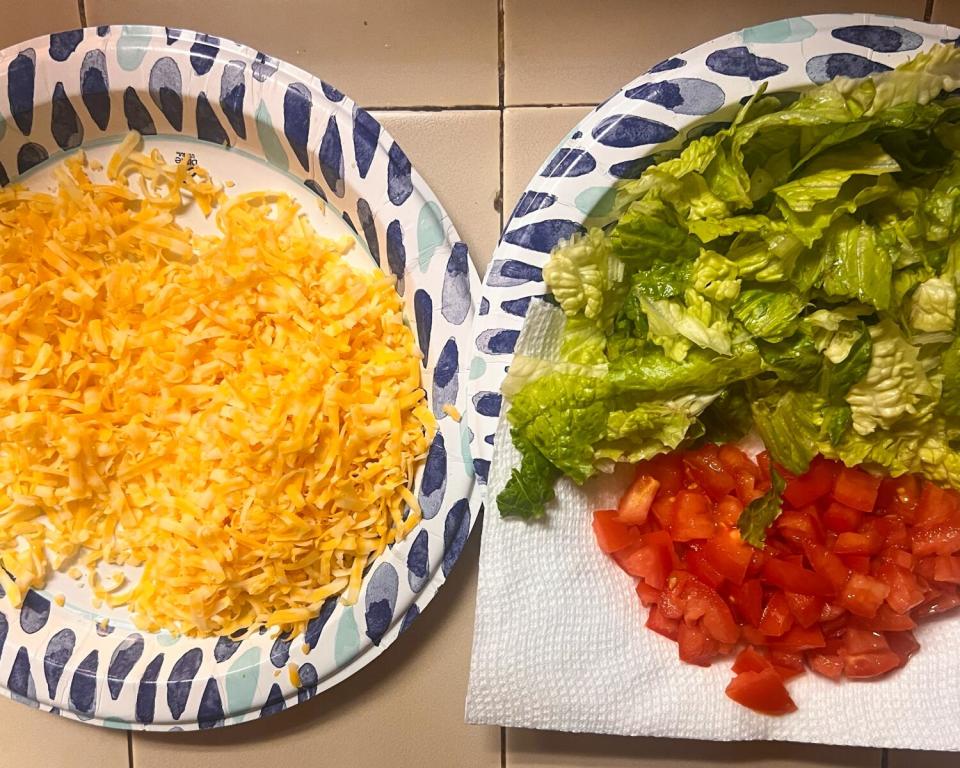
x=794 y=273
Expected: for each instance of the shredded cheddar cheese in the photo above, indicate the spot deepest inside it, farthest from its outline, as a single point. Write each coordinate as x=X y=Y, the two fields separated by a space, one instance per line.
x=239 y=415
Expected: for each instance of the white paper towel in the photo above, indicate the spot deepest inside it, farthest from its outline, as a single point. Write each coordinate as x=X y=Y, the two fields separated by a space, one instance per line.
x=560 y=644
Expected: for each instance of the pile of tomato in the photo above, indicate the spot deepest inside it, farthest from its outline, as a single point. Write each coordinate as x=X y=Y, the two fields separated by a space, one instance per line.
x=846 y=571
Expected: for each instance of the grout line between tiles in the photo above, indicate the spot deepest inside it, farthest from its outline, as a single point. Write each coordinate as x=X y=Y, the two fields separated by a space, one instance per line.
x=473 y=107
x=501 y=70
x=129 y=733
x=884 y=758
x=82 y=8
x=503 y=747
x=928 y=10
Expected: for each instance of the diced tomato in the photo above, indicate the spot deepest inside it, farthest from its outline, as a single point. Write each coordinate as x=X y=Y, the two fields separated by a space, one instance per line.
x=776 y=618
x=893 y=531
x=827 y=564
x=700 y=566
x=856 y=488
x=692 y=517
x=696 y=645
x=865 y=665
x=763 y=463
x=806 y=609
x=904 y=591
x=897 y=556
x=787 y=660
x=857 y=641
x=941 y=539
x=863 y=542
x=734 y=460
x=904 y=644
x=636 y=502
x=651 y=558
x=729 y=555
x=799 y=525
x=746 y=487
x=841 y=518
x=900 y=496
x=666 y=469
x=831 y=612
x=761 y=691
x=708 y=471
x=612 y=535
x=943 y=601
x=747 y=600
x=728 y=511
x=826 y=664
x=795 y=578
x=863 y=595
x=857 y=563
x=886 y=620
x=750 y=660
x=937 y=506
x=661 y=624
x=648 y=595
x=799 y=638
x=662 y=509
x=947 y=569
x=815 y=483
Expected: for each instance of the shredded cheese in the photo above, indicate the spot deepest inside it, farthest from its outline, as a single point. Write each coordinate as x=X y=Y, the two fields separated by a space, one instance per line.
x=239 y=415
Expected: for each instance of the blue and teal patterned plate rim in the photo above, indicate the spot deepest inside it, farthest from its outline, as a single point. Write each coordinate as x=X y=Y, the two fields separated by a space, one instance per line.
x=80 y=88
x=682 y=97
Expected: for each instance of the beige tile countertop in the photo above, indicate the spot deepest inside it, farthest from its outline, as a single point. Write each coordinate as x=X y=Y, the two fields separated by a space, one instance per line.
x=477 y=92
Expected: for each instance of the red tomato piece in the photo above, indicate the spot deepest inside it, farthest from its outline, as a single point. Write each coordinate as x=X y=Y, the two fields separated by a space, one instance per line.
x=943 y=601
x=700 y=566
x=941 y=539
x=841 y=518
x=728 y=511
x=762 y=692
x=937 y=506
x=696 y=645
x=636 y=502
x=798 y=639
x=865 y=665
x=806 y=609
x=763 y=464
x=900 y=496
x=904 y=644
x=857 y=563
x=666 y=469
x=799 y=525
x=734 y=460
x=705 y=604
x=827 y=564
x=776 y=619
x=814 y=484
x=795 y=578
x=787 y=660
x=856 y=641
x=662 y=509
x=612 y=535
x=729 y=555
x=897 y=556
x=886 y=620
x=863 y=595
x=750 y=660
x=827 y=664
x=856 y=488
x=893 y=531
x=867 y=541
x=708 y=472
x=651 y=558
x=747 y=600
x=648 y=595
x=661 y=624
x=904 y=591
x=747 y=487
x=947 y=569
x=692 y=517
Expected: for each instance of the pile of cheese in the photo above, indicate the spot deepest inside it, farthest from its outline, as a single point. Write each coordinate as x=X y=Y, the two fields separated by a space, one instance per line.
x=240 y=415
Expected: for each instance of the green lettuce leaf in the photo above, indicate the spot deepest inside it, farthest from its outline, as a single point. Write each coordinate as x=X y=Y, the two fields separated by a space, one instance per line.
x=855 y=267
x=933 y=305
x=769 y=314
x=789 y=425
x=530 y=487
x=581 y=273
x=760 y=513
